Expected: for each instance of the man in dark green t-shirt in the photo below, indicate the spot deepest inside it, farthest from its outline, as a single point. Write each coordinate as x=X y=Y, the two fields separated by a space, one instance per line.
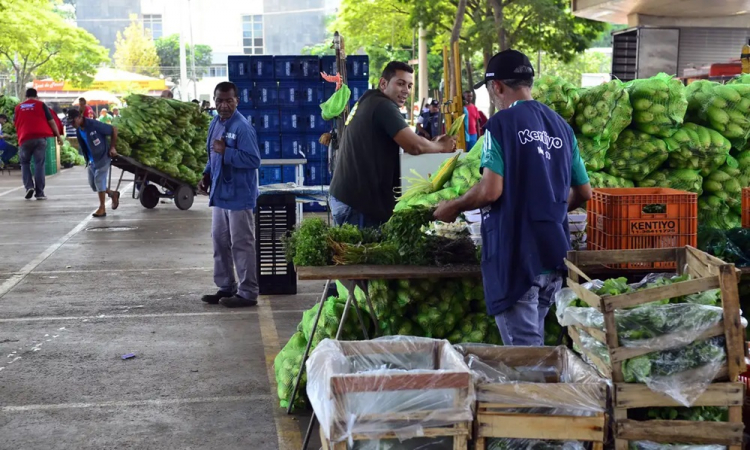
x=368 y=166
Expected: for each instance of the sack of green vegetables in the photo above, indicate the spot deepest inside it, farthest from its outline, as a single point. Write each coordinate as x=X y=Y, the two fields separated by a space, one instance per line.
x=557 y=93
x=681 y=179
x=725 y=183
x=286 y=367
x=635 y=155
x=603 y=111
x=604 y=180
x=714 y=212
x=724 y=108
x=698 y=148
x=593 y=154
x=659 y=104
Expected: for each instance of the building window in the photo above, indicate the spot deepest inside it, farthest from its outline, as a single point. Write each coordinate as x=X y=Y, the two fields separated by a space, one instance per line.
x=218 y=71
x=152 y=23
x=252 y=35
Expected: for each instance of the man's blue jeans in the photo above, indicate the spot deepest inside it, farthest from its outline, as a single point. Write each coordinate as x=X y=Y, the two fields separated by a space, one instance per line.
x=343 y=213
x=523 y=323
x=36 y=148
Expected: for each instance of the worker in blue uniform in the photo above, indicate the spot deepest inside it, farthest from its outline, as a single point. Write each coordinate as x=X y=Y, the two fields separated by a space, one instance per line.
x=532 y=176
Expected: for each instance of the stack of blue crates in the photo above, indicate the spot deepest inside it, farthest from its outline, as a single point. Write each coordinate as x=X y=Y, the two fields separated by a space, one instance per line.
x=280 y=96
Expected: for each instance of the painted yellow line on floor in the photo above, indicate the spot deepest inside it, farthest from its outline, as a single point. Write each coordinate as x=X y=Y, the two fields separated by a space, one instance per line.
x=287 y=429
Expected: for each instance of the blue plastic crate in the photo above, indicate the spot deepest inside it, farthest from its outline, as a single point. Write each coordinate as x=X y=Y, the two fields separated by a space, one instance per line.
x=328 y=90
x=328 y=65
x=247 y=113
x=288 y=174
x=313 y=207
x=238 y=67
x=265 y=94
x=357 y=67
x=292 y=146
x=289 y=93
x=314 y=121
x=269 y=175
x=311 y=93
x=265 y=120
x=314 y=150
x=261 y=68
x=245 y=94
x=309 y=68
x=316 y=174
x=293 y=120
x=358 y=89
x=297 y=67
x=269 y=146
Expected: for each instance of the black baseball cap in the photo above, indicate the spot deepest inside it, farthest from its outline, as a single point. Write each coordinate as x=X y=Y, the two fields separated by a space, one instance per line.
x=507 y=65
x=435 y=103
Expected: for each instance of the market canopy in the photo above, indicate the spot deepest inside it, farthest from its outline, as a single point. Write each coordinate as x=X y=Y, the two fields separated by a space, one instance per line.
x=106 y=79
x=95 y=97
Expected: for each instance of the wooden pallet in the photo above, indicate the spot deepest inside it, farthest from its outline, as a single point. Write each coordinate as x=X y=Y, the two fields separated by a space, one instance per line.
x=450 y=374
x=497 y=401
x=707 y=272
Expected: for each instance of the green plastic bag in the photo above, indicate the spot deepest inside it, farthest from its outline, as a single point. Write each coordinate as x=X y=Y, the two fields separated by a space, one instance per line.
x=334 y=106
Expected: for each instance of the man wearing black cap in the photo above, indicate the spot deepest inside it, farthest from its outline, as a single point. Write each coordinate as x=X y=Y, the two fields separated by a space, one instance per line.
x=535 y=177
x=428 y=123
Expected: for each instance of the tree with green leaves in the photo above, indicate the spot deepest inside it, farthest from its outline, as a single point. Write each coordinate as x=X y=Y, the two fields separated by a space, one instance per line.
x=168 y=50
x=35 y=41
x=135 y=51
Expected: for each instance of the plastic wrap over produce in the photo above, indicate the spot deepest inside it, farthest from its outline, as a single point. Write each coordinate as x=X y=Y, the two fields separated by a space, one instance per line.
x=530 y=444
x=396 y=384
x=648 y=445
x=678 y=367
x=539 y=365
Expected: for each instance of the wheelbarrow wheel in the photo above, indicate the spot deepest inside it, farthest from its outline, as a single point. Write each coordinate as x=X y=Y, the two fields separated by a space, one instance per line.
x=183 y=197
x=150 y=196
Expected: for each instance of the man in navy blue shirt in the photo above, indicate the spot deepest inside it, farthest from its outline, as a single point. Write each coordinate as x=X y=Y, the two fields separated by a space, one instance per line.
x=532 y=175
x=92 y=140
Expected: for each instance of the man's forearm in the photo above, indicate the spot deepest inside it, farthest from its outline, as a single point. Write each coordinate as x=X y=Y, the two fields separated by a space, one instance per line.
x=575 y=201
x=53 y=125
x=113 y=139
x=477 y=197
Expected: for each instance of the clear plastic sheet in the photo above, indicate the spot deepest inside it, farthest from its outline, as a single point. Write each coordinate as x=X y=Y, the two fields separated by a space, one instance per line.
x=525 y=367
x=678 y=366
x=648 y=445
x=396 y=384
x=529 y=444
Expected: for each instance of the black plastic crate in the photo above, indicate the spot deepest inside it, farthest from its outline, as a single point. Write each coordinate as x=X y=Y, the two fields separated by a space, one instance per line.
x=275 y=217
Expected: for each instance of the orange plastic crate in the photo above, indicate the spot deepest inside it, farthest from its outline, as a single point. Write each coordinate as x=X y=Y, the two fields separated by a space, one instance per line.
x=617 y=220
x=746 y=207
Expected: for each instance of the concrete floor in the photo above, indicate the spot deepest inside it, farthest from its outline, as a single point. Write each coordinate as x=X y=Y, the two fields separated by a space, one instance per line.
x=74 y=300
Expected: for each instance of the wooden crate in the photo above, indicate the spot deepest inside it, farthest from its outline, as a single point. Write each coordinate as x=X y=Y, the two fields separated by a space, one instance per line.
x=707 y=272
x=449 y=373
x=495 y=401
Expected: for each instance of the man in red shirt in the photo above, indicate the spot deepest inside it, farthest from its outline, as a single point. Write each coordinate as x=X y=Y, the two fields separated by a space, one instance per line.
x=473 y=117
x=34 y=125
x=87 y=111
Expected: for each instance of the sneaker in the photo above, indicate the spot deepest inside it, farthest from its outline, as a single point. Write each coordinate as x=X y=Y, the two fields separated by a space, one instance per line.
x=41 y=197
x=236 y=301
x=29 y=194
x=213 y=299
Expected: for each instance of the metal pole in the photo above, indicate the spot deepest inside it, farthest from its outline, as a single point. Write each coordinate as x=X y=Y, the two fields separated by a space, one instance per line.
x=192 y=49
x=183 y=61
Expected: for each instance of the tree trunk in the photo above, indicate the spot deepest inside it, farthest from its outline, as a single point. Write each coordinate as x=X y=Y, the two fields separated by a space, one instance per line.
x=486 y=55
x=498 y=14
x=469 y=71
x=455 y=34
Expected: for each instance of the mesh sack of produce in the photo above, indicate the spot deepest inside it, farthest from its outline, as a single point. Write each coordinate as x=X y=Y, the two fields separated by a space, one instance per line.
x=714 y=212
x=594 y=155
x=659 y=104
x=725 y=183
x=286 y=367
x=604 y=180
x=472 y=328
x=722 y=107
x=698 y=148
x=466 y=175
x=532 y=444
x=635 y=155
x=681 y=179
x=648 y=445
x=603 y=111
x=439 y=319
x=387 y=367
x=743 y=164
x=557 y=93
x=330 y=318
x=9 y=134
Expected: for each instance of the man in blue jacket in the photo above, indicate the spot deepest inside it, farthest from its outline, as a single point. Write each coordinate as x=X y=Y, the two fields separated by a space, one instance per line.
x=532 y=175
x=231 y=180
x=92 y=140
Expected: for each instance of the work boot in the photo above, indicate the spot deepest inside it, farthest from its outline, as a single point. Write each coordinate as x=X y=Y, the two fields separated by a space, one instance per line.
x=237 y=302
x=213 y=299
